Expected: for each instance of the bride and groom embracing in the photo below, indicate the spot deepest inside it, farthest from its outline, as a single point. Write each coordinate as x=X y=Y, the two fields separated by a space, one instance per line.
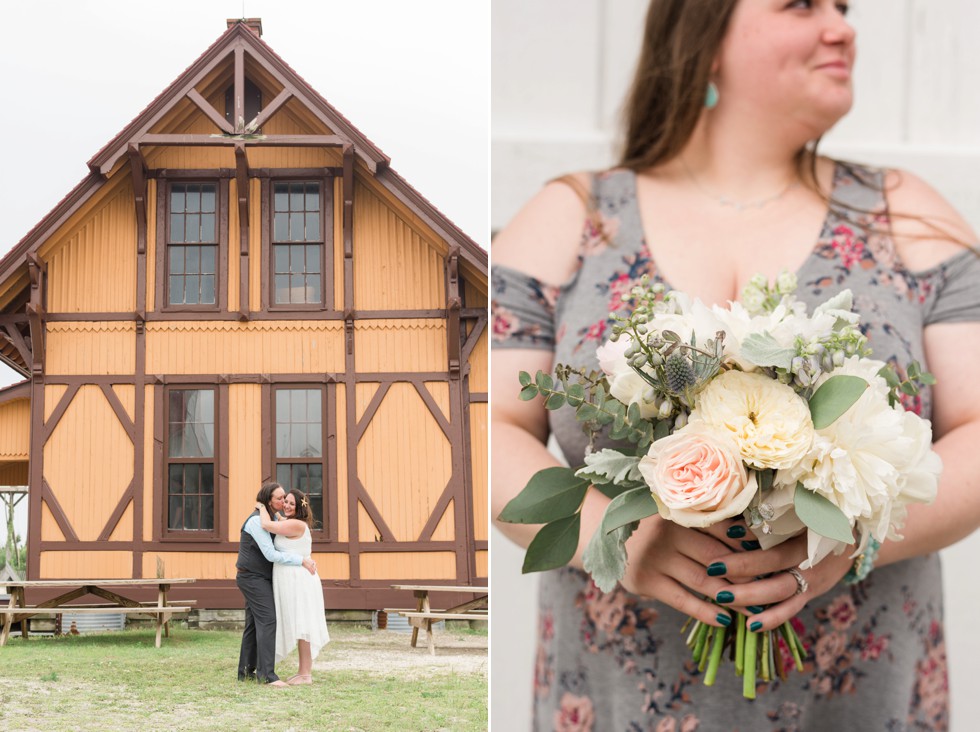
x=283 y=594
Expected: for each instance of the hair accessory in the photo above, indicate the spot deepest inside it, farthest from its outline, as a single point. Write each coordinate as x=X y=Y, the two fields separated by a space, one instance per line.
x=863 y=564
x=801 y=584
x=711 y=96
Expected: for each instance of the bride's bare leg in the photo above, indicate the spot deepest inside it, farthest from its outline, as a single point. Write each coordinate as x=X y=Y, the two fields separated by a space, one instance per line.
x=305 y=664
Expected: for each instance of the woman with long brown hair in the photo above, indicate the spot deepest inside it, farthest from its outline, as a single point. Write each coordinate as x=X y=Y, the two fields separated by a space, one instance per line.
x=301 y=622
x=720 y=180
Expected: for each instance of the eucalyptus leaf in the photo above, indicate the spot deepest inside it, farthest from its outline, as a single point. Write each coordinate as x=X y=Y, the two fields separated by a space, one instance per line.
x=575 y=395
x=926 y=378
x=525 y=378
x=834 y=397
x=821 y=515
x=554 y=545
x=909 y=388
x=763 y=349
x=610 y=466
x=544 y=381
x=889 y=375
x=662 y=429
x=528 y=393
x=586 y=413
x=551 y=494
x=633 y=505
x=605 y=557
x=555 y=400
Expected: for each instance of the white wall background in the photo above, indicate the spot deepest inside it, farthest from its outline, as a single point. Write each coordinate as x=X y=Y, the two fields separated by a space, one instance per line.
x=559 y=72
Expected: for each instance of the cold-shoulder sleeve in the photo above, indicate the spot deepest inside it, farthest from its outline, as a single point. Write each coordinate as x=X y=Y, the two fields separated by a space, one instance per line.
x=522 y=310
x=955 y=289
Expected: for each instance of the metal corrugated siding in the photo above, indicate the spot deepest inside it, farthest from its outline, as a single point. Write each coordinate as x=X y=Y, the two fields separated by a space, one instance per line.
x=15 y=429
x=400 y=345
x=92 y=266
x=85 y=565
x=205 y=347
x=87 y=348
x=404 y=461
x=88 y=462
x=408 y=565
x=479 y=462
x=394 y=266
x=244 y=453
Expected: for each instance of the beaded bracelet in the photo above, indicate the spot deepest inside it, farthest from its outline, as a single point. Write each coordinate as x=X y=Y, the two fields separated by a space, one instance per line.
x=863 y=564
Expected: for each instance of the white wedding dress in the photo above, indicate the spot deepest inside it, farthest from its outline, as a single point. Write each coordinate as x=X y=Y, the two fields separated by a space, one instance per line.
x=299 y=600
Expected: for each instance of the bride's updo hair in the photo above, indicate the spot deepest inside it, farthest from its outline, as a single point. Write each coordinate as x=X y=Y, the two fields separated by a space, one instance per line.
x=303 y=510
x=680 y=42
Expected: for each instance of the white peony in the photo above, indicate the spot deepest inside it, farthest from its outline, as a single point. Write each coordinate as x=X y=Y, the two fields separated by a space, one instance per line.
x=770 y=423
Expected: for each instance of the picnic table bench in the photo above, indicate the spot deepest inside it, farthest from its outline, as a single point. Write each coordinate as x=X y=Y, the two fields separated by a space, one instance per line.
x=17 y=609
x=423 y=616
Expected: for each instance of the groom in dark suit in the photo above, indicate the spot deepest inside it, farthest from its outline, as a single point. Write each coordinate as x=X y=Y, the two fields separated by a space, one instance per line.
x=256 y=555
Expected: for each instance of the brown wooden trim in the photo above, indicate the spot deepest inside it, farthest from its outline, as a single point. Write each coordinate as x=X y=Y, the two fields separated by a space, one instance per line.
x=13 y=318
x=221 y=490
x=210 y=112
x=160 y=286
x=238 y=117
x=265 y=191
x=58 y=413
x=479 y=396
x=51 y=501
x=35 y=466
x=473 y=337
x=159 y=428
x=280 y=314
x=139 y=451
x=370 y=411
x=20 y=390
x=270 y=109
x=319 y=377
x=268 y=422
x=191 y=140
x=434 y=409
x=190 y=173
x=332 y=491
x=329 y=170
x=242 y=184
x=462 y=497
x=395 y=376
x=121 y=415
x=35 y=311
x=372 y=510
x=191 y=543
x=438 y=511
x=117 y=513
x=16 y=339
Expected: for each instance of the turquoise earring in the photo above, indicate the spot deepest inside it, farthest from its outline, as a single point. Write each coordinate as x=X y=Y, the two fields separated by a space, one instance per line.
x=711 y=96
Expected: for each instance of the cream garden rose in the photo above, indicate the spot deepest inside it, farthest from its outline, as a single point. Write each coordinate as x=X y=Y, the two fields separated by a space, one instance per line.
x=769 y=422
x=697 y=477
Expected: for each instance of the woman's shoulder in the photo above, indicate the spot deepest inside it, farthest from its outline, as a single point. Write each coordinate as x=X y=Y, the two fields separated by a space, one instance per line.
x=544 y=237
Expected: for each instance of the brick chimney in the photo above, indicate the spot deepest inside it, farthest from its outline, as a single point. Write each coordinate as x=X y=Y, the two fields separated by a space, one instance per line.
x=253 y=24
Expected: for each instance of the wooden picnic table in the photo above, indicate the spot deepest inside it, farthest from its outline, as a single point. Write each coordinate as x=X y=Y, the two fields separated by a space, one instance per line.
x=424 y=616
x=17 y=608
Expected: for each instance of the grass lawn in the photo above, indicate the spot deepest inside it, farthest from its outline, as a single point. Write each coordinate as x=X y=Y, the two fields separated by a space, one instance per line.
x=363 y=680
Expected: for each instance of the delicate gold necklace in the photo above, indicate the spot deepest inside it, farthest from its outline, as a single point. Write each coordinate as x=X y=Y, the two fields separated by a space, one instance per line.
x=739 y=206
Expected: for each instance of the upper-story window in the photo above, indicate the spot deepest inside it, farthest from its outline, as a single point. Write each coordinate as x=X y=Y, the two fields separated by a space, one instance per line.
x=298 y=236
x=194 y=231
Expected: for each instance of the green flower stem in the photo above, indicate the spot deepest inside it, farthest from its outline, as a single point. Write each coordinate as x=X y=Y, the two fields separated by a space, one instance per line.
x=751 y=656
x=703 y=659
x=794 y=643
x=715 y=659
x=766 y=676
x=777 y=659
x=699 y=640
x=739 y=644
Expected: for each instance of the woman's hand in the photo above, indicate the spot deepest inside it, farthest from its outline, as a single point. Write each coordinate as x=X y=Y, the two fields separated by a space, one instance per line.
x=761 y=579
x=676 y=565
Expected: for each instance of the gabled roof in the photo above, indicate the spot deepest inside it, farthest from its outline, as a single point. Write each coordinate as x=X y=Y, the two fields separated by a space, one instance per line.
x=239 y=39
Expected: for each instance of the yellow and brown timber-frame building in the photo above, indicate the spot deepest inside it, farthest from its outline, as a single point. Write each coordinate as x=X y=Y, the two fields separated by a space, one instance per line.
x=243 y=290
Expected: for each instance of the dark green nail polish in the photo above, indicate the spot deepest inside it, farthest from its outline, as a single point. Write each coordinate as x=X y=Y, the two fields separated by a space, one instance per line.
x=756 y=626
x=717 y=569
x=724 y=618
x=736 y=532
x=750 y=545
x=725 y=596
x=755 y=609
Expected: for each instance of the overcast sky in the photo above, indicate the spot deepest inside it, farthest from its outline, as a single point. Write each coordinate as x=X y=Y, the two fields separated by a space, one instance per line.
x=412 y=76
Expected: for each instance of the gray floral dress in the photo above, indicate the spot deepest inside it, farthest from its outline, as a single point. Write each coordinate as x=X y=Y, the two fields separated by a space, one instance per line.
x=876 y=655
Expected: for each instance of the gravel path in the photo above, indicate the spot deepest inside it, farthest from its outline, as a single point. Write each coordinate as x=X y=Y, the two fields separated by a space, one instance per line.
x=385 y=652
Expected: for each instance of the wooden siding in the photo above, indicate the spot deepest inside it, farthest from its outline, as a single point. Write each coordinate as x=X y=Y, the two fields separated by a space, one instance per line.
x=90 y=348
x=151 y=244
x=404 y=460
x=255 y=259
x=479 y=365
x=479 y=461
x=338 y=243
x=15 y=430
x=395 y=265
x=204 y=347
x=14 y=473
x=52 y=395
x=124 y=529
x=233 y=287
x=88 y=462
x=85 y=565
x=245 y=453
x=49 y=528
x=343 y=524
x=149 y=403
x=332 y=566
x=408 y=565
x=483 y=564
x=400 y=345
x=200 y=565
x=92 y=266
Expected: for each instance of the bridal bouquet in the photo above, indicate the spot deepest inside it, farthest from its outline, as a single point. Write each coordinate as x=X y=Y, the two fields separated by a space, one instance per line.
x=758 y=409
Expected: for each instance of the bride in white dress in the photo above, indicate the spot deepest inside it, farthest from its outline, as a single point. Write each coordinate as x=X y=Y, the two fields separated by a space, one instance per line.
x=298 y=594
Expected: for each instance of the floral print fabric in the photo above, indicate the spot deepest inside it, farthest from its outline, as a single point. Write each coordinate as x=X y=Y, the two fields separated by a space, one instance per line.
x=875 y=651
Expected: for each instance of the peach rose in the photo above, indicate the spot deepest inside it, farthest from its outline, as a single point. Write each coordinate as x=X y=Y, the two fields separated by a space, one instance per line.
x=697 y=477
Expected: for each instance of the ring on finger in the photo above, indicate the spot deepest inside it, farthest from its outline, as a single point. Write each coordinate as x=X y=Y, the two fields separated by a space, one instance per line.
x=801 y=584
